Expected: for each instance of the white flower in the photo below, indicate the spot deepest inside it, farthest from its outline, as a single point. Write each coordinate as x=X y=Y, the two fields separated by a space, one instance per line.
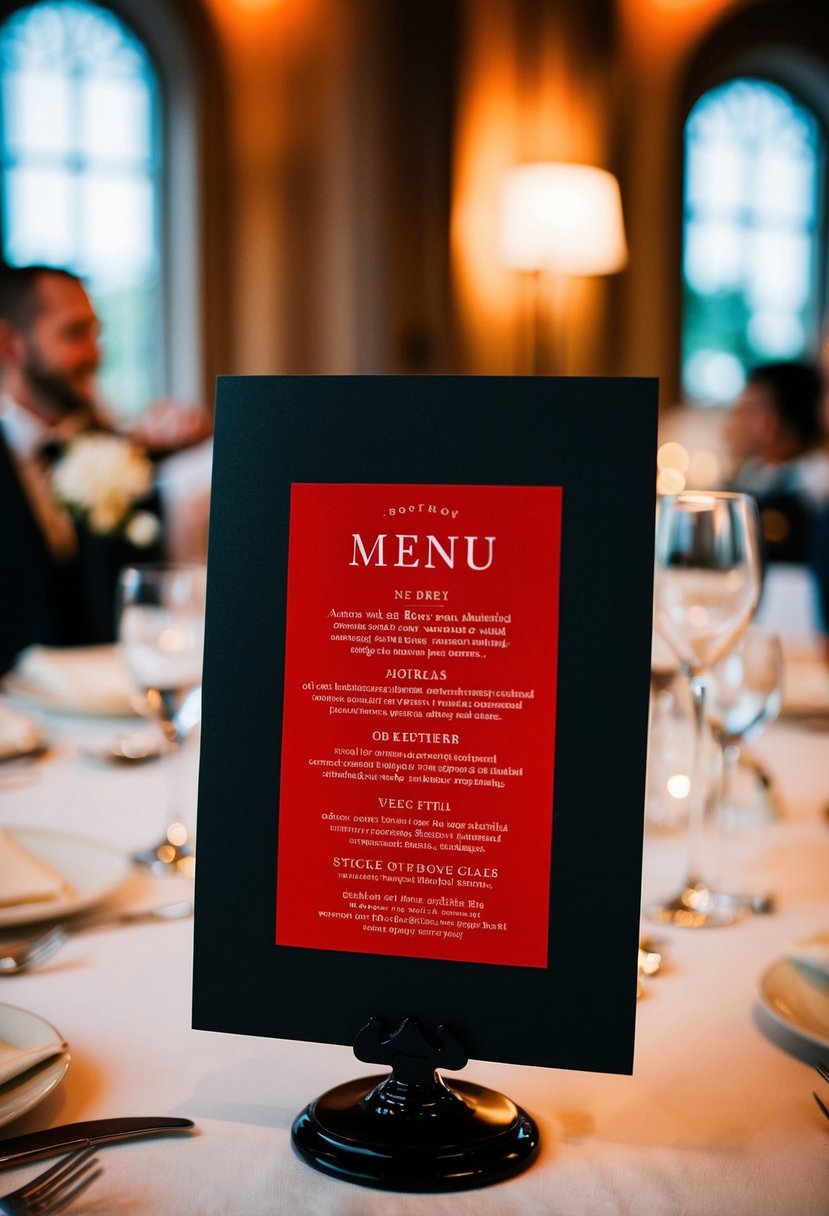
x=100 y=477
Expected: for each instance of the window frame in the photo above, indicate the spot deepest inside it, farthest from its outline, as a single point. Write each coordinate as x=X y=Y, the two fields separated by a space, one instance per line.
x=792 y=71
x=171 y=51
x=816 y=231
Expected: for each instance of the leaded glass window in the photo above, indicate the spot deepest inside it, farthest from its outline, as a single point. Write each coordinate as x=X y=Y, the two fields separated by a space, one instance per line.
x=751 y=248
x=80 y=163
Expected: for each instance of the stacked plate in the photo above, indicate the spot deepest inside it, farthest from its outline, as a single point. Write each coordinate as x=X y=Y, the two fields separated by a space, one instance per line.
x=33 y=1056
x=44 y=875
x=793 y=1001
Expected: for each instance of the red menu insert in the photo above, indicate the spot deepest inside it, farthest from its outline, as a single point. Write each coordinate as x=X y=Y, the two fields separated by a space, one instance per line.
x=418 y=743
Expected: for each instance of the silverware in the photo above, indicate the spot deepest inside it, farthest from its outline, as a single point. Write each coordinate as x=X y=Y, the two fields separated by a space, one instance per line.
x=54 y=1190
x=760 y=904
x=823 y=1072
x=129 y=747
x=176 y=911
x=54 y=1140
x=20 y=956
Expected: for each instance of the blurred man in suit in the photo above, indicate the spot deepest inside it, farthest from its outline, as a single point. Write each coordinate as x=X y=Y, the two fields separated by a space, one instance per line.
x=820 y=539
x=775 y=431
x=57 y=579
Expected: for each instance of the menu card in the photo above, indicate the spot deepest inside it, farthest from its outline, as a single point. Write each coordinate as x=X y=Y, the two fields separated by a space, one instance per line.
x=425 y=709
x=419 y=722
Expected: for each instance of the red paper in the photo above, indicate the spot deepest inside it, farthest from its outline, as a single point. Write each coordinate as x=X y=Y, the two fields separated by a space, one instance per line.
x=418 y=740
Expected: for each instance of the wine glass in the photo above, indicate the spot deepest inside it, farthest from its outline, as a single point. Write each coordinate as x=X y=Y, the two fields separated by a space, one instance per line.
x=746 y=692
x=161 y=632
x=706 y=588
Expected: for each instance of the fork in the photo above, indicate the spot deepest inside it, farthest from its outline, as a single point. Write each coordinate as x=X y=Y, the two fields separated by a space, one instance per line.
x=55 y=1189
x=824 y=1072
x=18 y=956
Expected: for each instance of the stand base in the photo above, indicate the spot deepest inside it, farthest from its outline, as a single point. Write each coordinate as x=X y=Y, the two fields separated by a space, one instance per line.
x=451 y=1140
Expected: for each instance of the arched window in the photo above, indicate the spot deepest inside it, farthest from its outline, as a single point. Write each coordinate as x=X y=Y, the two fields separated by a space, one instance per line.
x=752 y=289
x=80 y=163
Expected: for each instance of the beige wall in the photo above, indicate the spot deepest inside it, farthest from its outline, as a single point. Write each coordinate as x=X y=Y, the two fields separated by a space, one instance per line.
x=350 y=243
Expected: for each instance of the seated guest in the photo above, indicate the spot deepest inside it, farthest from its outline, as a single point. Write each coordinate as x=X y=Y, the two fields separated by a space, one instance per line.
x=820 y=537
x=776 y=433
x=58 y=570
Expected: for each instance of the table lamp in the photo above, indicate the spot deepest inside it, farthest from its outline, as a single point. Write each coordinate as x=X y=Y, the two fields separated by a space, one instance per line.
x=556 y=221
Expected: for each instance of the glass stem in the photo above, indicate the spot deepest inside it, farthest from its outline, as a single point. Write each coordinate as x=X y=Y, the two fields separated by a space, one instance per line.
x=730 y=760
x=698 y=683
x=175 y=800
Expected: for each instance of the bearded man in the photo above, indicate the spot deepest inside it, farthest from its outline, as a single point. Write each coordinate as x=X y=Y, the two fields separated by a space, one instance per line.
x=57 y=579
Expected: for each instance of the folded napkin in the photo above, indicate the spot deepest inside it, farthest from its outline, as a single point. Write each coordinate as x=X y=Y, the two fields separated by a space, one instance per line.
x=26 y=879
x=17 y=1060
x=90 y=679
x=19 y=734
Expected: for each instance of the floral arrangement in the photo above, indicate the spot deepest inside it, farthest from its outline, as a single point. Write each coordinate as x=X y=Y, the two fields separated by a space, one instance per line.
x=100 y=478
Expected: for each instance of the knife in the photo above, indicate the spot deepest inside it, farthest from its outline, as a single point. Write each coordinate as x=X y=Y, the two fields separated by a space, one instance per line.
x=54 y=1140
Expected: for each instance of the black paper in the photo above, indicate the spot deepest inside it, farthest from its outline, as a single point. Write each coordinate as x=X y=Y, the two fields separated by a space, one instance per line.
x=594 y=437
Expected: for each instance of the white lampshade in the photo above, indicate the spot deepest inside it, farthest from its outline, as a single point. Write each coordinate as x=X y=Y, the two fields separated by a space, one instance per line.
x=560 y=217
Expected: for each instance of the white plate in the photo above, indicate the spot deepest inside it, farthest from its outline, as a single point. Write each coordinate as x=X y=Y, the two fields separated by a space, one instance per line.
x=19 y=1028
x=796 y=999
x=93 y=871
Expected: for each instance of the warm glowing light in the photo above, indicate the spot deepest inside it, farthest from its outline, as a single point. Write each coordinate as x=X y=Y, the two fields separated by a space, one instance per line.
x=562 y=217
x=670 y=481
x=256 y=6
x=177 y=834
x=673 y=456
x=678 y=6
x=679 y=786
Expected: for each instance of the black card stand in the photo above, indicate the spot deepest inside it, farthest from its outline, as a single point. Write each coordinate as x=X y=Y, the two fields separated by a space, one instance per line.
x=409 y=1131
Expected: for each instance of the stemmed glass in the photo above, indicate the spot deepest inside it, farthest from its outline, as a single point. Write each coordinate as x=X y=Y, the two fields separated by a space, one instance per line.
x=706 y=588
x=746 y=693
x=161 y=631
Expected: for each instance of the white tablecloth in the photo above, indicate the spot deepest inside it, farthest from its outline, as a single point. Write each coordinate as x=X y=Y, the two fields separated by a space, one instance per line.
x=716 y=1119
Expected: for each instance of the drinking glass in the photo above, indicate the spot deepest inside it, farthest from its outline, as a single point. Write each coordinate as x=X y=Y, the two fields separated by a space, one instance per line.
x=161 y=632
x=746 y=692
x=706 y=588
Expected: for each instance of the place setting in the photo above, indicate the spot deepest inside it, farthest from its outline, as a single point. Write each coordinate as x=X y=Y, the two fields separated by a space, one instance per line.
x=47 y=874
x=792 y=1006
x=34 y=1059
x=84 y=681
x=54 y=885
x=81 y=690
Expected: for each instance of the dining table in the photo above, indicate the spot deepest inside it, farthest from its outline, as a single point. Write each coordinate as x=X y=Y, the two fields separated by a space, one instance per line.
x=717 y=1118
